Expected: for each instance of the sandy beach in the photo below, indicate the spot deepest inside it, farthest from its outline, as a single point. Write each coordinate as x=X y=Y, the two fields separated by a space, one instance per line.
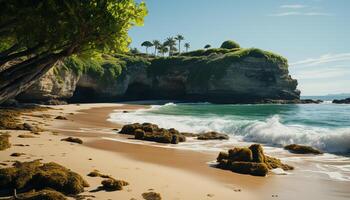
x=174 y=173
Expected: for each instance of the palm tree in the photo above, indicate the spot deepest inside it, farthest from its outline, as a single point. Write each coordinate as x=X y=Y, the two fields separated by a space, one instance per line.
x=207 y=46
x=156 y=44
x=163 y=49
x=179 y=38
x=170 y=42
x=147 y=44
x=187 y=46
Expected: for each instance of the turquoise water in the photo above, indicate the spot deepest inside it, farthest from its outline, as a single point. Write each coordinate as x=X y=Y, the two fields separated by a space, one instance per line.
x=324 y=126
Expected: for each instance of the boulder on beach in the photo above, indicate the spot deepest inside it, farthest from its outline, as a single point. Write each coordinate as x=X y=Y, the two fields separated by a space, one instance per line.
x=112 y=184
x=129 y=129
x=250 y=160
x=27 y=176
x=212 y=136
x=151 y=196
x=61 y=117
x=301 y=149
x=4 y=141
x=151 y=132
x=46 y=194
x=73 y=140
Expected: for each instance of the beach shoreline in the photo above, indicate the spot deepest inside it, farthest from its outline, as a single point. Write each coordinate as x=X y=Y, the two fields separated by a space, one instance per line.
x=174 y=173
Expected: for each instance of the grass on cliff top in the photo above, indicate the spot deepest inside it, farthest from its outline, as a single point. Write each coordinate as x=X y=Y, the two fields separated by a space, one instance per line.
x=205 y=64
x=106 y=68
x=202 y=64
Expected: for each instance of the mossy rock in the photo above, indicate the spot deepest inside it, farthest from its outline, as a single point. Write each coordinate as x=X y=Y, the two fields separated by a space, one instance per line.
x=249 y=161
x=222 y=156
x=112 y=184
x=258 y=153
x=129 y=129
x=273 y=163
x=151 y=132
x=17 y=154
x=301 y=149
x=161 y=136
x=148 y=127
x=252 y=168
x=4 y=141
x=151 y=196
x=37 y=175
x=139 y=133
x=72 y=139
x=42 y=195
x=240 y=154
x=212 y=136
x=96 y=173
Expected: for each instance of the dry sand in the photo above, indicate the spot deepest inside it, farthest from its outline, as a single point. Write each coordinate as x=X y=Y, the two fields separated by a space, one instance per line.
x=175 y=174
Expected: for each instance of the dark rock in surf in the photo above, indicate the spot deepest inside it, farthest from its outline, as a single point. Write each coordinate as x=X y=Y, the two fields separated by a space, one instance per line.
x=301 y=149
x=212 y=136
x=341 y=101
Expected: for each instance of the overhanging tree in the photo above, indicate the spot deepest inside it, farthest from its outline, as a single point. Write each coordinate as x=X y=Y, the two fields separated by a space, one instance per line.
x=35 y=34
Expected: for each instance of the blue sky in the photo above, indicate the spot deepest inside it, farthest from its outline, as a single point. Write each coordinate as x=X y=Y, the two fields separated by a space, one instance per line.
x=313 y=34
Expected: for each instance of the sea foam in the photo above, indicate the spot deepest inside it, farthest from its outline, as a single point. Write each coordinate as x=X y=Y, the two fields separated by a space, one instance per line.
x=270 y=131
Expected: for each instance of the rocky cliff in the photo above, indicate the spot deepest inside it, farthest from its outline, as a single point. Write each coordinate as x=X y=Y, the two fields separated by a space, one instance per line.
x=217 y=75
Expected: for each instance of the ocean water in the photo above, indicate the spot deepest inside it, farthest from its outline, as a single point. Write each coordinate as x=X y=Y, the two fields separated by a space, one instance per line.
x=324 y=126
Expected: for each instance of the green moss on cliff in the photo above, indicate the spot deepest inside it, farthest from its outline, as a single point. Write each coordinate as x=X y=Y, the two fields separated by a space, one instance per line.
x=203 y=65
x=106 y=68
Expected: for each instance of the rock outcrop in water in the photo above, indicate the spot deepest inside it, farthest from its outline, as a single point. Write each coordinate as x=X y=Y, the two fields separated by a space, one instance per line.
x=250 y=160
x=301 y=149
x=341 y=101
x=215 y=75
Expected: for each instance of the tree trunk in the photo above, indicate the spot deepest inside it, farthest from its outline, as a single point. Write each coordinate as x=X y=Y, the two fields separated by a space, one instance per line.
x=20 y=77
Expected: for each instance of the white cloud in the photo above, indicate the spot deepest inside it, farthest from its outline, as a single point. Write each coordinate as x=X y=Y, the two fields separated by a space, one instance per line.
x=325 y=74
x=283 y=14
x=299 y=10
x=293 y=6
x=327 y=58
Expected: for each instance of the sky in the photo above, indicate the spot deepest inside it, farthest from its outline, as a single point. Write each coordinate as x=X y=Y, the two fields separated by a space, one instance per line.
x=314 y=35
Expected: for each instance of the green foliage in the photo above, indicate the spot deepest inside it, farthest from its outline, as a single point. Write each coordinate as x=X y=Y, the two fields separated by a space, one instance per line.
x=105 y=68
x=212 y=63
x=80 y=26
x=229 y=44
x=147 y=44
x=202 y=52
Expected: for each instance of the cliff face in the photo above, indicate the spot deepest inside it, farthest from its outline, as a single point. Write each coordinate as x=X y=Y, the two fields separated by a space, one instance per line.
x=230 y=76
x=57 y=84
